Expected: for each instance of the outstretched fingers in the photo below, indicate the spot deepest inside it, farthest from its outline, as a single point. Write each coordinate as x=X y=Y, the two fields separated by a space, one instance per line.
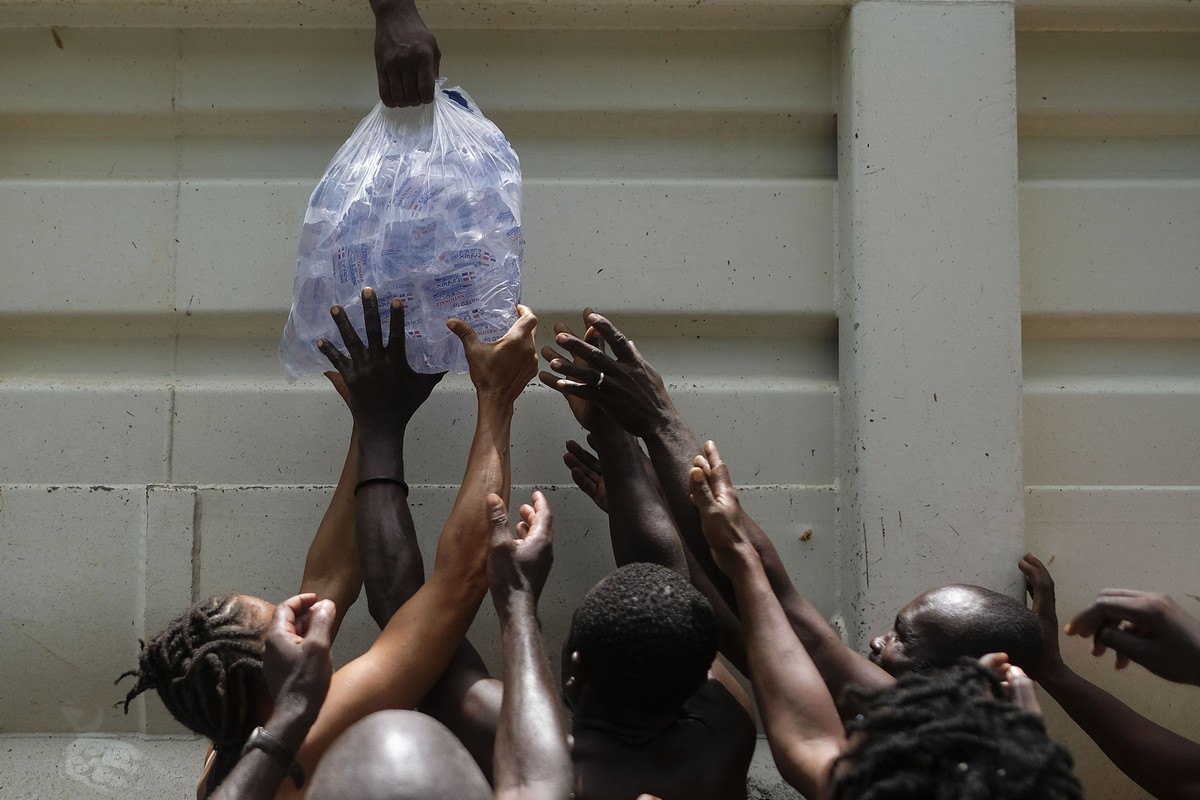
x=585 y=355
x=622 y=346
x=586 y=472
x=396 y=327
x=341 y=321
x=336 y=357
x=371 y=320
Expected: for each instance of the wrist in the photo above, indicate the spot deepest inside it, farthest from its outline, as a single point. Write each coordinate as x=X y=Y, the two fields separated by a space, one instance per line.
x=395 y=425
x=278 y=752
x=494 y=403
x=290 y=722
x=384 y=8
x=513 y=603
x=606 y=428
x=1053 y=674
x=381 y=453
x=665 y=426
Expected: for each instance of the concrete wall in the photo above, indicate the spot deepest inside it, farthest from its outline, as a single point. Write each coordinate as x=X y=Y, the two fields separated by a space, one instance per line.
x=925 y=262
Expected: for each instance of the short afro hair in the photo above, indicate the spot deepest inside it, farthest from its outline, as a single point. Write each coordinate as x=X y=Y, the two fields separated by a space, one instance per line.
x=646 y=636
x=950 y=735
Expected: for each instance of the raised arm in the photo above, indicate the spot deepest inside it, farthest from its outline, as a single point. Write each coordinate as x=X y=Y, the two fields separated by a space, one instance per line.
x=532 y=761
x=465 y=699
x=414 y=648
x=639 y=522
x=297 y=668
x=634 y=395
x=630 y=391
x=1163 y=763
x=389 y=556
x=801 y=721
x=331 y=569
x=641 y=529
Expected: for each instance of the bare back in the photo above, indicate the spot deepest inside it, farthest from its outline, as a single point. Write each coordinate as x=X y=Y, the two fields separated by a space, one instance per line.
x=703 y=755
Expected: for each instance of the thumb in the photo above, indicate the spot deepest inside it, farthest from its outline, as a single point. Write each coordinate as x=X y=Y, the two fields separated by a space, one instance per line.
x=498 y=519
x=1125 y=643
x=464 y=332
x=320 y=623
x=526 y=322
x=700 y=493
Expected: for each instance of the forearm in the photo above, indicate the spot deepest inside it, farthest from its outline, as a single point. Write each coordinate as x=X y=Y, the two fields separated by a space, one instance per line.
x=839 y=666
x=733 y=638
x=673 y=449
x=386 y=538
x=258 y=776
x=531 y=759
x=639 y=521
x=1163 y=763
x=331 y=568
x=803 y=727
x=464 y=542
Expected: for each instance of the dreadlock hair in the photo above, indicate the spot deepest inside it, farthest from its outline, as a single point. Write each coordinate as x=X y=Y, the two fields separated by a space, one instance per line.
x=207 y=667
x=950 y=735
x=647 y=638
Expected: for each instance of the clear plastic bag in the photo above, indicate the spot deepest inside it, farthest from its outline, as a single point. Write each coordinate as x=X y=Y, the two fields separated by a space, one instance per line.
x=421 y=204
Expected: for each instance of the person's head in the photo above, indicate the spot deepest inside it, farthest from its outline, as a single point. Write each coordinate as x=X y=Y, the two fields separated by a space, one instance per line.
x=950 y=734
x=942 y=625
x=642 y=640
x=207 y=666
x=398 y=755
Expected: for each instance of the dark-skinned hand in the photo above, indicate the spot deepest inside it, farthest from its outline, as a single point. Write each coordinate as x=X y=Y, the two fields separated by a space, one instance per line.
x=381 y=389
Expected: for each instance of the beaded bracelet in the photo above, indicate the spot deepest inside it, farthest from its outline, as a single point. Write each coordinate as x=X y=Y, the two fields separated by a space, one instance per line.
x=381 y=479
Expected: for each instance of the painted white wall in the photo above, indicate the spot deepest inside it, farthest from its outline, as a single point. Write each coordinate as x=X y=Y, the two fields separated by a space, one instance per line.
x=1023 y=224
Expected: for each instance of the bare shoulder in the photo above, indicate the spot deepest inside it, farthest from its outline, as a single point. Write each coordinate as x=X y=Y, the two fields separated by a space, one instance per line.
x=715 y=706
x=704 y=755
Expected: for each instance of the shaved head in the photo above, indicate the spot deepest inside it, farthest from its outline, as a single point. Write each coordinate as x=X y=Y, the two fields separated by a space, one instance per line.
x=398 y=755
x=941 y=625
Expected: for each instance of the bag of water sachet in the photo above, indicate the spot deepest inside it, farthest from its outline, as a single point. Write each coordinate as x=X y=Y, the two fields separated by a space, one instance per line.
x=422 y=204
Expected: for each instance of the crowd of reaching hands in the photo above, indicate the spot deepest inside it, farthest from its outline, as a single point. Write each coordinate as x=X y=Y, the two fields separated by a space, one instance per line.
x=943 y=706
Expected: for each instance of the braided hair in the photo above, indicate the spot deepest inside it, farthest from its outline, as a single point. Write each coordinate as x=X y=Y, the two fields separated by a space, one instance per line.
x=647 y=638
x=950 y=735
x=207 y=667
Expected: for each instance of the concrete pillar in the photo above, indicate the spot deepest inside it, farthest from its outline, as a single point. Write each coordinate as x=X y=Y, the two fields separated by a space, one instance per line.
x=930 y=488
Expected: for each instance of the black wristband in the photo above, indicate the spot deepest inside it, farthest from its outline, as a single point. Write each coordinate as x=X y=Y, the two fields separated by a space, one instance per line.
x=261 y=739
x=381 y=479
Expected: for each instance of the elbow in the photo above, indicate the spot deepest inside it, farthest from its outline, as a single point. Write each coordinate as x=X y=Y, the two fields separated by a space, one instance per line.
x=805 y=766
